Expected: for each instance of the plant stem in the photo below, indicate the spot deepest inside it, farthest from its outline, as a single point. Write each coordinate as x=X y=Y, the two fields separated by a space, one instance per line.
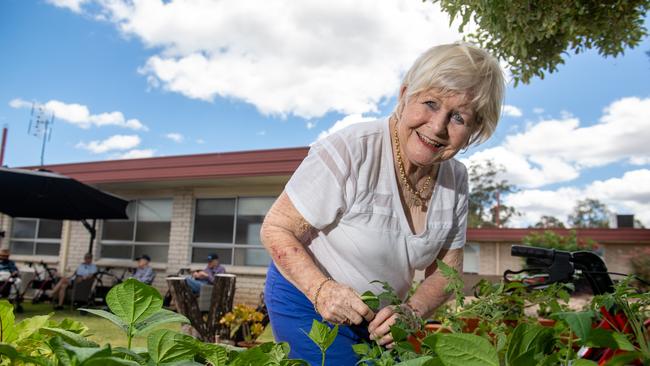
x=569 y=349
x=322 y=352
x=129 y=337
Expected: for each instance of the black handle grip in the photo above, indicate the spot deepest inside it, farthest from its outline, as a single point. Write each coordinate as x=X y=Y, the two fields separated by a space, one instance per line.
x=531 y=252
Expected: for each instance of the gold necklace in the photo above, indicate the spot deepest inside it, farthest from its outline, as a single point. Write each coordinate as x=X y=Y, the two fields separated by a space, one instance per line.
x=416 y=196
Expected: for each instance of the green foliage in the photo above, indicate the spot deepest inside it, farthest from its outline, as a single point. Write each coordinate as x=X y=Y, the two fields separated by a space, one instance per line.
x=590 y=213
x=551 y=240
x=7 y=319
x=323 y=336
x=528 y=344
x=533 y=36
x=136 y=308
x=486 y=208
x=549 y=222
x=462 y=349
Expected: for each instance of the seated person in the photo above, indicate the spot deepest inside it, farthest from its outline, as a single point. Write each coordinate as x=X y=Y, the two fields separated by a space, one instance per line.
x=9 y=272
x=205 y=276
x=143 y=272
x=85 y=271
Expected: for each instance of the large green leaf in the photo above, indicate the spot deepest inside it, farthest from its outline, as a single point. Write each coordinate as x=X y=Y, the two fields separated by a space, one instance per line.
x=133 y=301
x=123 y=352
x=29 y=326
x=579 y=322
x=8 y=351
x=213 y=353
x=109 y=361
x=599 y=337
x=84 y=353
x=61 y=354
x=322 y=335
x=168 y=346
x=109 y=316
x=7 y=331
x=162 y=316
x=73 y=339
x=420 y=361
x=583 y=362
x=459 y=349
x=527 y=343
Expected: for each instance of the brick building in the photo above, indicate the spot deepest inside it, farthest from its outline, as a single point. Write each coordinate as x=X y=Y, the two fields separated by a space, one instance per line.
x=186 y=207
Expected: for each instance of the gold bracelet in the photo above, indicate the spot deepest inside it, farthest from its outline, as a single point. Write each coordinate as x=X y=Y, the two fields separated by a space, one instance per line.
x=320 y=287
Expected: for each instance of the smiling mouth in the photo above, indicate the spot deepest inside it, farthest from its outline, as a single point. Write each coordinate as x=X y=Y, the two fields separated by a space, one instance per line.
x=429 y=141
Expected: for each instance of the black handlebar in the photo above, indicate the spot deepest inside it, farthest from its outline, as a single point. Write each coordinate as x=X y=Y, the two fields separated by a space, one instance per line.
x=532 y=252
x=561 y=265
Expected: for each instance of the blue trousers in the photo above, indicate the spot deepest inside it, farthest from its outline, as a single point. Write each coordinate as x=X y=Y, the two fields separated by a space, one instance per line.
x=195 y=285
x=291 y=315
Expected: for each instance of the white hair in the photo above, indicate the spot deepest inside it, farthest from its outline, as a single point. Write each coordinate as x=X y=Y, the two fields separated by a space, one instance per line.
x=461 y=68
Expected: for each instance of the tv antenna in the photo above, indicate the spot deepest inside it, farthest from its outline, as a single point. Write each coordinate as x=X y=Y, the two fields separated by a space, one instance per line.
x=41 y=123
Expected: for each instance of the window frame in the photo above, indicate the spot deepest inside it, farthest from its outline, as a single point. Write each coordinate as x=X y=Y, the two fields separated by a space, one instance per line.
x=233 y=246
x=133 y=243
x=35 y=239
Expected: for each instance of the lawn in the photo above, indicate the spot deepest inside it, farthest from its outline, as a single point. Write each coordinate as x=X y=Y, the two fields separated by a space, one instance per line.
x=102 y=331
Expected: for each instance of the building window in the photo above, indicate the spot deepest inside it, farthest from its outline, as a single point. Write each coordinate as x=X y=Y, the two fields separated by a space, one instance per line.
x=145 y=232
x=471 y=257
x=230 y=227
x=36 y=236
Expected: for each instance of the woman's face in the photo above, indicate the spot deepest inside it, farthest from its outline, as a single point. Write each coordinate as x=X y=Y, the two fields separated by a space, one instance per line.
x=433 y=126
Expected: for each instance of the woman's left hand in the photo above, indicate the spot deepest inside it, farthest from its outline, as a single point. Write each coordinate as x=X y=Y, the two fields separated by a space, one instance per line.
x=379 y=327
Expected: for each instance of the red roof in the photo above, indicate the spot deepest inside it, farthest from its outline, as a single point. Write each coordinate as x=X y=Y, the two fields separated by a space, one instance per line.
x=276 y=162
x=623 y=235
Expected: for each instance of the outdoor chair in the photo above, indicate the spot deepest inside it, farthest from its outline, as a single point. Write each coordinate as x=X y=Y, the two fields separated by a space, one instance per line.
x=7 y=287
x=82 y=292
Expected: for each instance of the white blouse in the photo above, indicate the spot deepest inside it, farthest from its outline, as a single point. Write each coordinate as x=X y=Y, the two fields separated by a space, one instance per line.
x=347 y=189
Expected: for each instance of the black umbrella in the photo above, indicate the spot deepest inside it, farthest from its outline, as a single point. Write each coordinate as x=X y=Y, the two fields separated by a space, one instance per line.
x=47 y=195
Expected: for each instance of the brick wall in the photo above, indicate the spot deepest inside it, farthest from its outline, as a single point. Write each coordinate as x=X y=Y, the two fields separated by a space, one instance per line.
x=180 y=233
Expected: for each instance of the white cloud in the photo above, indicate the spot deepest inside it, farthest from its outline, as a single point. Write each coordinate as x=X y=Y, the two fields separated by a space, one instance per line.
x=627 y=194
x=135 y=154
x=304 y=58
x=621 y=134
x=116 y=142
x=557 y=150
x=345 y=122
x=74 y=5
x=80 y=116
x=538 y=110
x=200 y=141
x=511 y=111
x=311 y=125
x=176 y=137
x=19 y=103
x=525 y=171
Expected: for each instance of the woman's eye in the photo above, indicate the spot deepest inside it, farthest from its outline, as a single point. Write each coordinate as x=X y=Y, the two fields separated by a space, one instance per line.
x=433 y=105
x=457 y=118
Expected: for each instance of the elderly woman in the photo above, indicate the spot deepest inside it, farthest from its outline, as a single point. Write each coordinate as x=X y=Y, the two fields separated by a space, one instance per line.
x=378 y=201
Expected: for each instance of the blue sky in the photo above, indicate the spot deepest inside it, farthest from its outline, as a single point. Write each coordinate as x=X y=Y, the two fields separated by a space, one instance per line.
x=189 y=79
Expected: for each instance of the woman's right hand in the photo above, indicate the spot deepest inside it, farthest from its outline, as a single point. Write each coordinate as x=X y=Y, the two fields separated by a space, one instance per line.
x=340 y=304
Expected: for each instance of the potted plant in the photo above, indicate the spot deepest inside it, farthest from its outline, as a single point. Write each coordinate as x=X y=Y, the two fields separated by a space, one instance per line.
x=245 y=321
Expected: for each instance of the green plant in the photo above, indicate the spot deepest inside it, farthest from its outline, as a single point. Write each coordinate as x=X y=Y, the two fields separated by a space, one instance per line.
x=136 y=308
x=323 y=336
x=552 y=240
x=247 y=319
x=535 y=36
